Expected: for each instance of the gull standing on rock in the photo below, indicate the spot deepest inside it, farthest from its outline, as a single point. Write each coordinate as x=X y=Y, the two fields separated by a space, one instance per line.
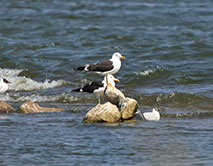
x=98 y=87
x=3 y=85
x=105 y=67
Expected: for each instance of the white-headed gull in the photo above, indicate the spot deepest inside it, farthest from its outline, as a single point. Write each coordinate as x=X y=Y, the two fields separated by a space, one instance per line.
x=105 y=67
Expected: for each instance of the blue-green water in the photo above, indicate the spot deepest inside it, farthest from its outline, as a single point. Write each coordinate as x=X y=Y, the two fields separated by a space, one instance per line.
x=168 y=47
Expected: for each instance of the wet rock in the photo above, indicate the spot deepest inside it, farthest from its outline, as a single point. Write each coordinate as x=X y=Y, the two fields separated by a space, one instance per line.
x=110 y=113
x=31 y=107
x=128 y=107
x=6 y=108
x=103 y=113
x=113 y=94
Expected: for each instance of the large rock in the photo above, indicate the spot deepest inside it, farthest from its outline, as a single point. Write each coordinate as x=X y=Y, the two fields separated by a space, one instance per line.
x=31 y=107
x=103 y=113
x=110 y=113
x=113 y=94
x=6 y=108
x=128 y=107
x=117 y=109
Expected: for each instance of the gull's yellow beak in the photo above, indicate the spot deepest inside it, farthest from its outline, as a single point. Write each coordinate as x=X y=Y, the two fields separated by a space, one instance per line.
x=123 y=57
x=116 y=80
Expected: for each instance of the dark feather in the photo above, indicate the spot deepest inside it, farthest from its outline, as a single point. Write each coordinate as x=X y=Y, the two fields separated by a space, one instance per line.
x=101 y=66
x=79 y=68
x=89 y=88
x=76 y=90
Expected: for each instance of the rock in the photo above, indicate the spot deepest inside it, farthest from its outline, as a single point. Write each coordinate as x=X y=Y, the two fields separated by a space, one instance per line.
x=31 y=107
x=103 y=113
x=113 y=94
x=6 y=108
x=128 y=107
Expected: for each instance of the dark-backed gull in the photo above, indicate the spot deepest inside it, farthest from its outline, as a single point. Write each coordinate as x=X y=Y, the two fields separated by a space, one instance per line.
x=105 y=67
x=98 y=87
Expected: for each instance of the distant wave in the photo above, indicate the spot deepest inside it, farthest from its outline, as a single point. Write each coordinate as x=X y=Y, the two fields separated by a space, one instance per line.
x=202 y=114
x=59 y=98
x=156 y=71
x=179 y=100
x=140 y=77
x=146 y=72
x=21 y=83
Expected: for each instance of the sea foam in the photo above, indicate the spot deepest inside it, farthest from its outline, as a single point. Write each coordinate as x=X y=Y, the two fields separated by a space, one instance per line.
x=22 y=83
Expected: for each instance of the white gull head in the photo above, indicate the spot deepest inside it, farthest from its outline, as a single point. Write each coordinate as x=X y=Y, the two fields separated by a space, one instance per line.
x=117 y=55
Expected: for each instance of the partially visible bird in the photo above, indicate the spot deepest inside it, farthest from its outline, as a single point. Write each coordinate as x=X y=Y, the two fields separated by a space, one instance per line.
x=105 y=67
x=154 y=115
x=98 y=87
x=3 y=85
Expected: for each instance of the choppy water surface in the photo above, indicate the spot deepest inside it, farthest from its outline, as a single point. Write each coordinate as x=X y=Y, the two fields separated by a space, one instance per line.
x=168 y=47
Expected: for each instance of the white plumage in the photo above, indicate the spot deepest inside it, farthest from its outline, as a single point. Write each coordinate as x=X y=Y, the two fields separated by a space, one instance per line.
x=3 y=85
x=111 y=79
x=152 y=116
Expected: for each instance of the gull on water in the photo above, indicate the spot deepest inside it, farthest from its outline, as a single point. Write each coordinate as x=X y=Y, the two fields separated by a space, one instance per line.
x=110 y=66
x=98 y=87
x=154 y=115
x=3 y=85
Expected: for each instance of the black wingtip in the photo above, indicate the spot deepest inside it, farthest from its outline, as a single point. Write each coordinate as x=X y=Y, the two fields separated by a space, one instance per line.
x=76 y=90
x=79 y=68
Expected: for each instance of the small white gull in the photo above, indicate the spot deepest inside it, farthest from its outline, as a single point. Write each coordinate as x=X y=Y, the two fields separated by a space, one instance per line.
x=3 y=85
x=154 y=115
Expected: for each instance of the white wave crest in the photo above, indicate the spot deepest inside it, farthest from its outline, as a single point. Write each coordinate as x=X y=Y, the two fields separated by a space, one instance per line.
x=10 y=72
x=149 y=71
x=21 y=83
x=26 y=84
x=146 y=72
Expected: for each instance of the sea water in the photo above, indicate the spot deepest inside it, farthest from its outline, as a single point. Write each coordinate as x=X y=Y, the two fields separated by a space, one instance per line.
x=169 y=55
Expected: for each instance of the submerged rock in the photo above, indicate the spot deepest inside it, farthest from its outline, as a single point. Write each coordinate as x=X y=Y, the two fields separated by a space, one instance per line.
x=113 y=94
x=103 y=113
x=31 y=107
x=128 y=107
x=6 y=108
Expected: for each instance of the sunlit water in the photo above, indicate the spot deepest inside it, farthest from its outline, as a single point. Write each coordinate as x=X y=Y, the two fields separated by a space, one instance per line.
x=169 y=55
